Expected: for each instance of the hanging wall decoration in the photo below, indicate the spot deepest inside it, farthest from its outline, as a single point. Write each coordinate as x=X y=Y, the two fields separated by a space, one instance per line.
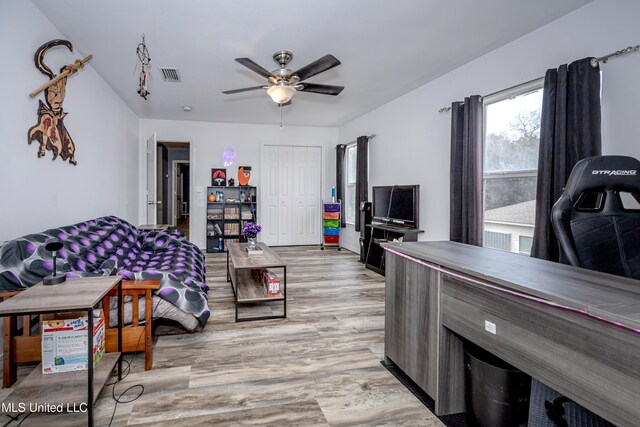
x=228 y=155
x=145 y=64
x=244 y=175
x=50 y=130
x=218 y=177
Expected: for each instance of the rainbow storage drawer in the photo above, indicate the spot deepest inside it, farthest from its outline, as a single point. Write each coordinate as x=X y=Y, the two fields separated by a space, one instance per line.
x=331 y=219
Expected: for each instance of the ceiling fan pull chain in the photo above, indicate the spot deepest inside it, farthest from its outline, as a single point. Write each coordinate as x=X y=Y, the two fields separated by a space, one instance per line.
x=280 y=116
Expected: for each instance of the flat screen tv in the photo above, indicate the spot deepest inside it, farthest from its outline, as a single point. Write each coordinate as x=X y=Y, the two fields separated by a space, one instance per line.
x=396 y=204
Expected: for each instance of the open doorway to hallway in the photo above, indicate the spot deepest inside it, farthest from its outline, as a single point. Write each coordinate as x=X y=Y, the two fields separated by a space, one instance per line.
x=173 y=178
x=182 y=170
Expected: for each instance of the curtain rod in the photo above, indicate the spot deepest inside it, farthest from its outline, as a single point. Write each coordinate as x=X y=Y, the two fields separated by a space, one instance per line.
x=605 y=58
x=594 y=63
x=373 y=135
x=446 y=109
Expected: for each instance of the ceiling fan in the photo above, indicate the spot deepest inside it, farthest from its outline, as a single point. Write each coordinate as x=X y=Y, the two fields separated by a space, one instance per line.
x=284 y=83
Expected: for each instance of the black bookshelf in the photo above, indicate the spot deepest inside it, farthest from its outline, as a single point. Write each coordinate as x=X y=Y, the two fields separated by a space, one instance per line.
x=227 y=215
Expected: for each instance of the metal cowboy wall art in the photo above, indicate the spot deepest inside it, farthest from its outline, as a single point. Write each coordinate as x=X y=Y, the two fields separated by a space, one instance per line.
x=50 y=130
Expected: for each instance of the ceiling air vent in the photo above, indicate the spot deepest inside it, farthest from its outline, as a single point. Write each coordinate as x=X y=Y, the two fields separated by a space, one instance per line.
x=170 y=74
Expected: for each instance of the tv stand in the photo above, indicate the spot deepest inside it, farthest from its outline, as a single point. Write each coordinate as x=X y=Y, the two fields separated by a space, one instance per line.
x=385 y=233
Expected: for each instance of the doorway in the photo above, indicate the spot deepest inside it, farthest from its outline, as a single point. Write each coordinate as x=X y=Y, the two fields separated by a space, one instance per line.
x=180 y=211
x=173 y=174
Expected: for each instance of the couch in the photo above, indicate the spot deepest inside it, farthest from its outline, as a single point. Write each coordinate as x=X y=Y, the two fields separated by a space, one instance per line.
x=110 y=245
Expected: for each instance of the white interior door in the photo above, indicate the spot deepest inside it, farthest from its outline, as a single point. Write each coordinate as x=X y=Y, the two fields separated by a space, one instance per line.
x=285 y=199
x=291 y=181
x=269 y=195
x=299 y=206
x=152 y=144
x=313 y=196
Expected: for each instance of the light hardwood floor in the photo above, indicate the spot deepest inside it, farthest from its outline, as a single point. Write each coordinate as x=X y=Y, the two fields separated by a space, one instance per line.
x=320 y=366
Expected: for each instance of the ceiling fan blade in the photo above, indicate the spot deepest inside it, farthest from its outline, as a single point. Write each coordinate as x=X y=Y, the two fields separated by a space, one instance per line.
x=246 y=89
x=254 y=67
x=323 y=89
x=316 y=67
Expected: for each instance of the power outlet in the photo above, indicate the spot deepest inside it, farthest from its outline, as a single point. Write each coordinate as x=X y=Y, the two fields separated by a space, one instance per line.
x=490 y=327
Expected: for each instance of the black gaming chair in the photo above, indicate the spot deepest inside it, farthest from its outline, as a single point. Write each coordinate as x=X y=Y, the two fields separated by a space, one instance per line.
x=597 y=222
x=597 y=217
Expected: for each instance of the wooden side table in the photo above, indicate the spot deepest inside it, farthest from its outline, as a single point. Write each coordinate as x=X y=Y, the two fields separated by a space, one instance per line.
x=81 y=294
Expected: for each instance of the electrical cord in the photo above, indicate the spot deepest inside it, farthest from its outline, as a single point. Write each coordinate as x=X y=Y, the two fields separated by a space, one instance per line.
x=113 y=390
x=12 y=419
x=386 y=233
x=26 y=416
x=128 y=371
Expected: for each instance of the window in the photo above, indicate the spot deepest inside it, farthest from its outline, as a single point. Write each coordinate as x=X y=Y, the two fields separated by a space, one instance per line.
x=350 y=193
x=497 y=240
x=524 y=245
x=511 y=141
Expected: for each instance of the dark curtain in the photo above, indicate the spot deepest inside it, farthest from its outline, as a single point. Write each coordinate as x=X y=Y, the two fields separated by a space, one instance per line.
x=340 y=170
x=466 y=171
x=362 y=175
x=569 y=131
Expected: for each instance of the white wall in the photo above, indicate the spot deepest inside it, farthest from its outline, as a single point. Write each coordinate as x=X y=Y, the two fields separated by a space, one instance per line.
x=37 y=193
x=207 y=142
x=413 y=139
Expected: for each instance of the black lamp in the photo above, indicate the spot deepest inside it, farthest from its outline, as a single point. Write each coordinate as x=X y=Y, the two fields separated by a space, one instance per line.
x=53 y=246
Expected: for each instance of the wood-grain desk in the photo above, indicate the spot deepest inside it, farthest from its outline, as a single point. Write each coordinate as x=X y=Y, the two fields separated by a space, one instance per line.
x=576 y=330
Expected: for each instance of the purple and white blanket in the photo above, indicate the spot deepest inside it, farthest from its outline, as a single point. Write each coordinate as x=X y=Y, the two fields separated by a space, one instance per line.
x=107 y=246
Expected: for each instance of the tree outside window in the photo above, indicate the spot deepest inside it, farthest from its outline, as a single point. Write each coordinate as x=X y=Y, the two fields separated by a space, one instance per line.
x=512 y=138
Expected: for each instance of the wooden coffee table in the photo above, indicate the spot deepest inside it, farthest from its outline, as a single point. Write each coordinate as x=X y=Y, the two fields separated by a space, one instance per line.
x=248 y=290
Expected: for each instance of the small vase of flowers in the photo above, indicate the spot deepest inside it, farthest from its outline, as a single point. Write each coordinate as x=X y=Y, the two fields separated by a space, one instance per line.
x=251 y=230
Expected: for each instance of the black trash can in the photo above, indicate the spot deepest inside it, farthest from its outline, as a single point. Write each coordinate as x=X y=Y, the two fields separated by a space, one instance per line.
x=497 y=394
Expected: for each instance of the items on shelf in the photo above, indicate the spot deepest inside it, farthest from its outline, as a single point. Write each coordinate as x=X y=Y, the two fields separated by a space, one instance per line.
x=257 y=251
x=215 y=213
x=228 y=215
x=64 y=341
x=231 y=229
x=246 y=213
x=269 y=280
x=218 y=177
x=231 y=213
x=244 y=175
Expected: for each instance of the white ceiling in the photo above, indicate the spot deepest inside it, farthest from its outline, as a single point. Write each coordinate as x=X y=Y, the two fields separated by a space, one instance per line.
x=387 y=48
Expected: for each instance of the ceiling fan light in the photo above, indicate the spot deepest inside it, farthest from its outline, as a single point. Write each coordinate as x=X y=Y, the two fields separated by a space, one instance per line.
x=281 y=94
